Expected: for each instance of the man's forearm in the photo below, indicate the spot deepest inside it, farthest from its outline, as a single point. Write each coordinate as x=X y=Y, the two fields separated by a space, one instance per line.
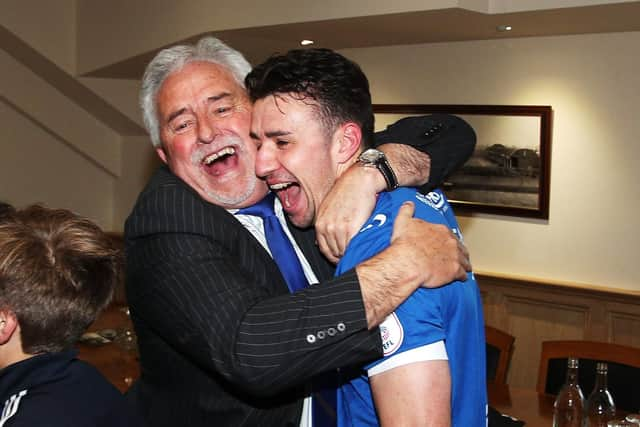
x=448 y=141
x=385 y=282
x=411 y=166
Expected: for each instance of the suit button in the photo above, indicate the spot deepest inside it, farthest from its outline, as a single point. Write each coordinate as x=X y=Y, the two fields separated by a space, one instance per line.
x=433 y=130
x=341 y=327
x=321 y=334
x=332 y=331
x=311 y=339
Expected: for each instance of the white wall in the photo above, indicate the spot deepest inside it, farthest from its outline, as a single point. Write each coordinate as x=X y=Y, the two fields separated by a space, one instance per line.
x=38 y=167
x=593 y=84
x=139 y=161
x=53 y=151
x=48 y=26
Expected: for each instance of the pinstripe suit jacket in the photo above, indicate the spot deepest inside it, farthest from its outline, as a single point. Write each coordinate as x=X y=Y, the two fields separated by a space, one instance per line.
x=222 y=342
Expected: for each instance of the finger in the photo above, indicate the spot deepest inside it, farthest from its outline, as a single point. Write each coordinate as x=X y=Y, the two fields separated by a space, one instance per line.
x=405 y=213
x=463 y=248
x=334 y=249
x=326 y=248
x=462 y=275
x=342 y=244
x=466 y=262
x=322 y=245
x=332 y=236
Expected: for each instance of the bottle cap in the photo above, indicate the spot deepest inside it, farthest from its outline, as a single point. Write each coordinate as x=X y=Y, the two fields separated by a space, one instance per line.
x=572 y=362
x=601 y=367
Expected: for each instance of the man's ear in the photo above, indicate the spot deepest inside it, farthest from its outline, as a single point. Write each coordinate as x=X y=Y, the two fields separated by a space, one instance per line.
x=8 y=325
x=349 y=139
x=161 y=154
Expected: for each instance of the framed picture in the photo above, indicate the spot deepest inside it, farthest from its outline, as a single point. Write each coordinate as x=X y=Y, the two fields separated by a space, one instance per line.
x=508 y=173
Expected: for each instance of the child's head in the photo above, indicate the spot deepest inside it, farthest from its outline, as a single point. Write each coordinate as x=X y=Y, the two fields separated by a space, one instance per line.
x=57 y=272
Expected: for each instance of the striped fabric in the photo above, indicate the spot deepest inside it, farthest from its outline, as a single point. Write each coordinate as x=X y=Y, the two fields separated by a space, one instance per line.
x=222 y=342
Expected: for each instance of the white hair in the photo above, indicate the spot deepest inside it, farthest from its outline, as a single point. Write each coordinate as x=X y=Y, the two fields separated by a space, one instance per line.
x=170 y=60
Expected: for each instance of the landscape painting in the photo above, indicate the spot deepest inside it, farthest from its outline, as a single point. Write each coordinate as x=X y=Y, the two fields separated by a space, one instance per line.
x=508 y=173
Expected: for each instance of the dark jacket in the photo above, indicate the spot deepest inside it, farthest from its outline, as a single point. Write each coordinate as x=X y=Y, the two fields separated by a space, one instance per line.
x=56 y=389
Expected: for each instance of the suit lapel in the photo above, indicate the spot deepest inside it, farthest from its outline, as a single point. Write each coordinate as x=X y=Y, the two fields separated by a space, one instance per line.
x=186 y=212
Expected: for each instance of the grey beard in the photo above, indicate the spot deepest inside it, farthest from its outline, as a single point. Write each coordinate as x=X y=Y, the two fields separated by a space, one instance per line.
x=236 y=199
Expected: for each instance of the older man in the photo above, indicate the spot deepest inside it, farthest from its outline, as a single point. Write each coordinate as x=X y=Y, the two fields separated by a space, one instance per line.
x=222 y=341
x=312 y=121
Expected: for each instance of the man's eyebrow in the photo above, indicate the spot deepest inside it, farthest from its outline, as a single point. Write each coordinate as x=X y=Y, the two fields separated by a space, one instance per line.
x=213 y=98
x=176 y=114
x=273 y=133
x=270 y=134
x=218 y=97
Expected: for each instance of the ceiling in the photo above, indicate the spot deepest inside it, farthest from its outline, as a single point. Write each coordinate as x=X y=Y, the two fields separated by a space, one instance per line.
x=430 y=26
x=116 y=39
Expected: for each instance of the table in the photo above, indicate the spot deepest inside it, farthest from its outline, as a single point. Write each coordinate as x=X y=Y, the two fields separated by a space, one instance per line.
x=525 y=404
x=116 y=360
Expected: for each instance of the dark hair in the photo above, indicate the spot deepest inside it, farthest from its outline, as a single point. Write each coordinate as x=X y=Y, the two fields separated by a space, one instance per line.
x=6 y=209
x=337 y=86
x=57 y=272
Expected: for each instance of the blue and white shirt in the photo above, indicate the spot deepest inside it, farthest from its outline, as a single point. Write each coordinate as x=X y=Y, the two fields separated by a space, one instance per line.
x=432 y=324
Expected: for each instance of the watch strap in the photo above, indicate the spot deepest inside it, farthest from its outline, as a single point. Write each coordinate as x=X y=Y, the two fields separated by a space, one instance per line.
x=381 y=163
x=389 y=176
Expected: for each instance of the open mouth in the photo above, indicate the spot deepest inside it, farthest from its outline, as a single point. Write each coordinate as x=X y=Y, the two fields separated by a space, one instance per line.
x=286 y=192
x=219 y=162
x=220 y=155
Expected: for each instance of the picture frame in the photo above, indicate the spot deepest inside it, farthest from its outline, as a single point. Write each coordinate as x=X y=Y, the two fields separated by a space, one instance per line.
x=509 y=171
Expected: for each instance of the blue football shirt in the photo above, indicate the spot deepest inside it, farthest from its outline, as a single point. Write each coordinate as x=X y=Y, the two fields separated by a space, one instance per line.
x=451 y=314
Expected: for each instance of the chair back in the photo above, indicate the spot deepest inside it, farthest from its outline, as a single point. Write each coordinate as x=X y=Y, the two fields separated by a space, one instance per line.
x=499 y=346
x=623 y=376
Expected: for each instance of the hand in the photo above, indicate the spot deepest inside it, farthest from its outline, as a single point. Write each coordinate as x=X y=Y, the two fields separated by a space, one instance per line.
x=432 y=249
x=346 y=208
x=353 y=197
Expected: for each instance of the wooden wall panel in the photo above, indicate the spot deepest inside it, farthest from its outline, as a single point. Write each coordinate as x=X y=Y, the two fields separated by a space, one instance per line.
x=534 y=311
x=624 y=328
x=532 y=321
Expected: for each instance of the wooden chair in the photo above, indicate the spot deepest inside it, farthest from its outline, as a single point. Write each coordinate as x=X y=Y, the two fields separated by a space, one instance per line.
x=499 y=345
x=624 y=369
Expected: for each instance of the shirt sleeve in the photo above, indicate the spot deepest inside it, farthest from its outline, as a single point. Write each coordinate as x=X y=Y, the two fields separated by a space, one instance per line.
x=433 y=351
x=449 y=148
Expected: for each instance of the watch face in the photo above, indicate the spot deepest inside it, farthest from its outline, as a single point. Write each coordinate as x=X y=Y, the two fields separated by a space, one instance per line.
x=371 y=156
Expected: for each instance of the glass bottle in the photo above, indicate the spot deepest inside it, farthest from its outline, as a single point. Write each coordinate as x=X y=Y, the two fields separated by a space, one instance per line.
x=600 y=406
x=634 y=418
x=568 y=409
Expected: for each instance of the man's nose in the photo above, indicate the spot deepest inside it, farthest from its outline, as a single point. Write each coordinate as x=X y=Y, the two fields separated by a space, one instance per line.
x=266 y=161
x=207 y=131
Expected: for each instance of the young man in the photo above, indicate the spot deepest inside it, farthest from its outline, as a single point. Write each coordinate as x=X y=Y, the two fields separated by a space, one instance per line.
x=312 y=119
x=57 y=272
x=221 y=340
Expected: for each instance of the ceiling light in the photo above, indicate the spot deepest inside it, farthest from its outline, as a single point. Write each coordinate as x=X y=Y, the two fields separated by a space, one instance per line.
x=306 y=42
x=503 y=28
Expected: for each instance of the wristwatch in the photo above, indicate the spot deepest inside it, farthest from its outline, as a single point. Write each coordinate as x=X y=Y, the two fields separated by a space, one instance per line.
x=377 y=159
